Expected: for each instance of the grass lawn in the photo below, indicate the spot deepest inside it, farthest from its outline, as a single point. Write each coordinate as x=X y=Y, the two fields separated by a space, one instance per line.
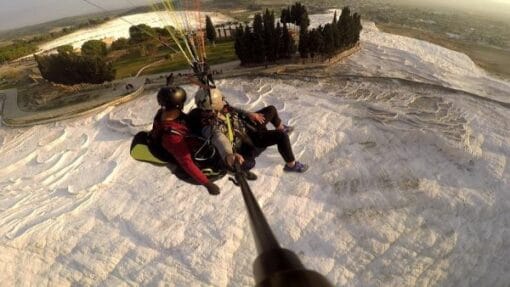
x=130 y=66
x=494 y=60
x=221 y=53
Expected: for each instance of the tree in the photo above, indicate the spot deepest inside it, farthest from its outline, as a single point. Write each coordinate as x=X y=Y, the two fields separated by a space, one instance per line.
x=337 y=41
x=285 y=16
x=70 y=68
x=140 y=33
x=357 y=27
x=94 y=48
x=298 y=14
x=259 y=53
x=269 y=36
x=304 y=20
x=344 y=26
x=329 y=40
x=278 y=41
x=161 y=32
x=248 y=40
x=120 y=44
x=239 y=45
x=210 y=30
x=294 y=13
x=65 y=49
x=288 y=46
x=303 y=41
x=316 y=42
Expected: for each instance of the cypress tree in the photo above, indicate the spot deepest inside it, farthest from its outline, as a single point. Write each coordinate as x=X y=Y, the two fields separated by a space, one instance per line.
x=269 y=36
x=316 y=42
x=293 y=14
x=359 y=27
x=329 y=41
x=285 y=16
x=239 y=46
x=287 y=43
x=303 y=40
x=304 y=20
x=344 y=27
x=258 y=39
x=278 y=41
x=337 y=41
x=248 y=44
x=210 y=30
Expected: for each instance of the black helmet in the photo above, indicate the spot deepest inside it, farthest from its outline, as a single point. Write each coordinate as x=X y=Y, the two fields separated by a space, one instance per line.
x=172 y=98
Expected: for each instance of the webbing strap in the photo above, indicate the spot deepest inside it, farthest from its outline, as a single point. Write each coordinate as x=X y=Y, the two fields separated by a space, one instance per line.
x=209 y=172
x=172 y=131
x=229 y=127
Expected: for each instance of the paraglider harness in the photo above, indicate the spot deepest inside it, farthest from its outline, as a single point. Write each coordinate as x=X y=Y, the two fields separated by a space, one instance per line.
x=205 y=152
x=205 y=156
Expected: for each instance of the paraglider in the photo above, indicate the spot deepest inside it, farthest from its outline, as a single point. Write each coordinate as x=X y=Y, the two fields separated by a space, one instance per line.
x=242 y=135
x=171 y=142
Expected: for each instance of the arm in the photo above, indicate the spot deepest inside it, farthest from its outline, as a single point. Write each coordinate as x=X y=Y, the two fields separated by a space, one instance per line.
x=219 y=140
x=241 y=112
x=177 y=147
x=254 y=117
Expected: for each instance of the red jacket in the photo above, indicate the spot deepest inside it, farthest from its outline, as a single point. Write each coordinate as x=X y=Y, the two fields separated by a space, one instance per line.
x=175 y=140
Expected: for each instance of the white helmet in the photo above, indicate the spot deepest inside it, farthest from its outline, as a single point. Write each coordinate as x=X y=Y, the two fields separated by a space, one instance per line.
x=215 y=102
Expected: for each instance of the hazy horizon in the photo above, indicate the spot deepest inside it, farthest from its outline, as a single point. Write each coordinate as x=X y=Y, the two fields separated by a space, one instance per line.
x=500 y=7
x=21 y=13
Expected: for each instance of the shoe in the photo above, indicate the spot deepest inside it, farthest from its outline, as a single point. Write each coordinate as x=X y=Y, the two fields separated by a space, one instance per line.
x=298 y=167
x=212 y=188
x=250 y=175
x=287 y=129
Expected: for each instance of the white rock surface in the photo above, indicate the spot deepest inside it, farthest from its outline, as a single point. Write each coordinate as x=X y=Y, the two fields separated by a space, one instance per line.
x=119 y=28
x=408 y=186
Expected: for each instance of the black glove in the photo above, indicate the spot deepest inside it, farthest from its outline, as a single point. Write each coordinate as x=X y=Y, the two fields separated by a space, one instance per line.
x=212 y=188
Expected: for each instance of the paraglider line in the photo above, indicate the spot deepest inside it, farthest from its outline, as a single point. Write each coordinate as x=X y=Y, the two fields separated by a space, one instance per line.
x=132 y=24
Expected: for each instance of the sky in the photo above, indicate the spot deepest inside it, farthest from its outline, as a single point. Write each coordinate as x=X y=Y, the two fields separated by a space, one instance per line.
x=19 y=13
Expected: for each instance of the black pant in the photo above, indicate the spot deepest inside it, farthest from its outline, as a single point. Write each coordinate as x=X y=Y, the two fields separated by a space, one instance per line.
x=270 y=116
x=262 y=137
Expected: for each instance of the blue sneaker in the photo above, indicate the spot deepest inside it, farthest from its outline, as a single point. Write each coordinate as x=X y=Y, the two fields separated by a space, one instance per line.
x=298 y=167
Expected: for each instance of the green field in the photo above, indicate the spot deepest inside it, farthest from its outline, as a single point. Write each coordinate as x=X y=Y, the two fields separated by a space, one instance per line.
x=220 y=53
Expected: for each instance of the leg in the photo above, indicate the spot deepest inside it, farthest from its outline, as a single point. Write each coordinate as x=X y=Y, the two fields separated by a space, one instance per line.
x=271 y=115
x=265 y=138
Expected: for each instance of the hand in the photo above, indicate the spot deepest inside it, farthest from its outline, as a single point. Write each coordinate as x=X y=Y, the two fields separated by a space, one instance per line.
x=212 y=188
x=231 y=159
x=256 y=117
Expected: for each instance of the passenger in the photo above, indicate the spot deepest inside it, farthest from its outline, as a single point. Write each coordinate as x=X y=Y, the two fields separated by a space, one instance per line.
x=171 y=130
x=249 y=136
